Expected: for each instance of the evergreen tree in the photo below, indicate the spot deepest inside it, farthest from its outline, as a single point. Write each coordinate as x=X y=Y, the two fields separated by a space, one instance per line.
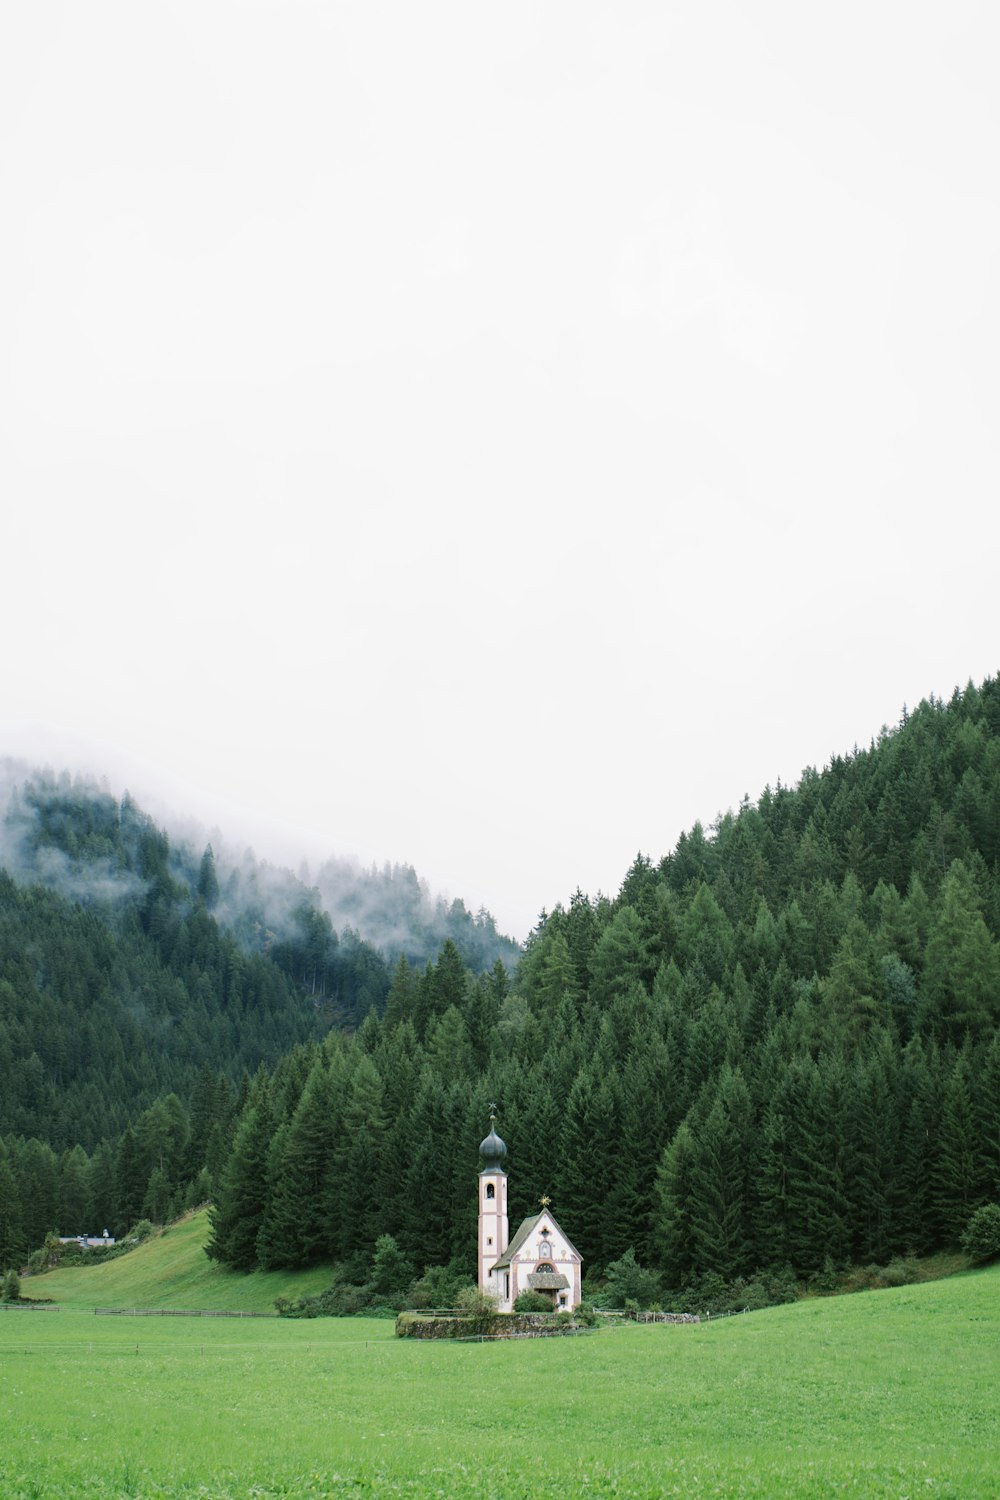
x=37 y=1177
x=73 y=1174
x=959 y=1177
x=619 y=957
x=586 y=1191
x=130 y=1181
x=400 y=999
x=873 y=1123
x=295 y=1229
x=961 y=981
x=208 y=880
x=674 y=1230
x=237 y=1215
x=721 y=1169
x=12 y=1240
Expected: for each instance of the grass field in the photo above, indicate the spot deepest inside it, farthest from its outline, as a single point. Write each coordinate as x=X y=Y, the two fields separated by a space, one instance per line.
x=885 y=1394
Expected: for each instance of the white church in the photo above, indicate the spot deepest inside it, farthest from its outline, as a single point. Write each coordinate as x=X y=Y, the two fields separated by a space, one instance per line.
x=540 y=1257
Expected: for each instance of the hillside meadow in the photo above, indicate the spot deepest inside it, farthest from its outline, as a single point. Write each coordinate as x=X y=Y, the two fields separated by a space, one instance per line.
x=171 y=1271
x=886 y=1394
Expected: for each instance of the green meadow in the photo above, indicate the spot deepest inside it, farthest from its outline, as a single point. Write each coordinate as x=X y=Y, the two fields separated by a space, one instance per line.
x=891 y=1393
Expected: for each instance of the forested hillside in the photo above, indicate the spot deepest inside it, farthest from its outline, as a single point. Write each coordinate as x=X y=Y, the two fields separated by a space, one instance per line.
x=141 y=980
x=777 y=1044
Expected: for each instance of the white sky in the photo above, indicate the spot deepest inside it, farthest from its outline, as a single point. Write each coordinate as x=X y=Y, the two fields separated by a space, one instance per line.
x=492 y=437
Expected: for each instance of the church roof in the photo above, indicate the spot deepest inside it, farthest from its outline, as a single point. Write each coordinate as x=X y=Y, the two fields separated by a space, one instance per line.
x=493 y=1150
x=522 y=1234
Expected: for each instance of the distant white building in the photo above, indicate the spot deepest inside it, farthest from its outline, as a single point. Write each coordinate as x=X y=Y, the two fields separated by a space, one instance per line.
x=540 y=1257
x=87 y=1241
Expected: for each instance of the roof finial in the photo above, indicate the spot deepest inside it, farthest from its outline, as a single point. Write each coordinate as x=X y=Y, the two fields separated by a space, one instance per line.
x=493 y=1113
x=545 y=1200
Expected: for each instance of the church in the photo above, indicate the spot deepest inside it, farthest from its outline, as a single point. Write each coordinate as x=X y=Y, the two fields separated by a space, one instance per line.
x=540 y=1257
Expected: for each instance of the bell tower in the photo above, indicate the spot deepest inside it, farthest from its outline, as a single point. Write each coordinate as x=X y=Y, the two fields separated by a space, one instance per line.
x=494 y=1230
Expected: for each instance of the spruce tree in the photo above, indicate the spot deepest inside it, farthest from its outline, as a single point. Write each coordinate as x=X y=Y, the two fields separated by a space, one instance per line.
x=960 y=1176
x=673 y=1226
x=12 y=1240
x=294 y=1231
x=721 y=1173
x=961 y=981
x=238 y=1212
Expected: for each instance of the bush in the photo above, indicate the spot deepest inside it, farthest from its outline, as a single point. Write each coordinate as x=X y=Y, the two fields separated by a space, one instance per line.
x=439 y=1286
x=532 y=1302
x=711 y=1293
x=825 y=1280
x=981 y=1240
x=900 y=1272
x=628 y=1282
x=11 y=1287
x=478 y=1307
x=586 y=1315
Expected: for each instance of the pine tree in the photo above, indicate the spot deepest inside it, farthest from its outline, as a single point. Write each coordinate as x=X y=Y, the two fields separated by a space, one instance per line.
x=673 y=1231
x=399 y=1001
x=587 y=1173
x=238 y=1212
x=619 y=957
x=208 y=880
x=73 y=1171
x=131 y=1179
x=37 y=1176
x=961 y=981
x=100 y=1212
x=721 y=1171
x=295 y=1227
x=12 y=1239
x=959 y=1177
x=352 y=1205
x=920 y=1228
x=425 y=1170
x=873 y=1124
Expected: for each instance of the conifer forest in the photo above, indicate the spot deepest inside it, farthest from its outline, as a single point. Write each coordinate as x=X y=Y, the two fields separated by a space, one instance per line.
x=776 y=1046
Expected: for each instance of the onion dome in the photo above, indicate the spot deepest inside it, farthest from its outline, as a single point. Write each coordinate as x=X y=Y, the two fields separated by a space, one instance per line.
x=492 y=1149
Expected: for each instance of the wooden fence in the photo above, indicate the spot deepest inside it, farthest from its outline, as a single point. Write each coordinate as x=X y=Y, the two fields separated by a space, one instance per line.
x=174 y=1312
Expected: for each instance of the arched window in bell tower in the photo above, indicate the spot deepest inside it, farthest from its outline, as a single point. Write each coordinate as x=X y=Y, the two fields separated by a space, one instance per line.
x=490 y=1190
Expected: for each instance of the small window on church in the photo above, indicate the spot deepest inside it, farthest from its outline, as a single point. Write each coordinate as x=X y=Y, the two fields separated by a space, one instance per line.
x=490 y=1190
x=489 y=1240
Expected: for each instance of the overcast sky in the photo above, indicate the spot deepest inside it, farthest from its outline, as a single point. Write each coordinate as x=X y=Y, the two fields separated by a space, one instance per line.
x=492 y=437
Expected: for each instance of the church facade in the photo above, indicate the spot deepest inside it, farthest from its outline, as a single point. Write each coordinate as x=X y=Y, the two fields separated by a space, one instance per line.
x=539 y=1258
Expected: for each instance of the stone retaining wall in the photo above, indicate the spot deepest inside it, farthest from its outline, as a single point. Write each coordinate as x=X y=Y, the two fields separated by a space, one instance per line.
x=414 y=1325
